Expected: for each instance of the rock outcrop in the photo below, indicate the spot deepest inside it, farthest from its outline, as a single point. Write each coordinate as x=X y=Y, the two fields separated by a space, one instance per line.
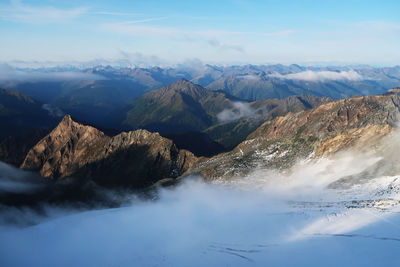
x=354 y=123
x=137 y=158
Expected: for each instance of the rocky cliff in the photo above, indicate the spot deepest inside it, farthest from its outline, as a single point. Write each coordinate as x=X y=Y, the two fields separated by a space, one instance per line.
x=357 y=123
x=137 y=158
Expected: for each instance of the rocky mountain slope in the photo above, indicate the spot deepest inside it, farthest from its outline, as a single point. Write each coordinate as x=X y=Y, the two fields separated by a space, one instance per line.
x=183 y=107
x=357 y=123
x=135 y=159
x=231 y=133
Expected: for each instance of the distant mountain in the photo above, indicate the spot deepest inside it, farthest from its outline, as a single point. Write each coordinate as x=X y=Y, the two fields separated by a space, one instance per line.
x=357 y=123
x=105 y=89
x=178 y=107
x=91 y=99
x=261 y=85
x=182 y=110
x=135 y=159
x=19 y=114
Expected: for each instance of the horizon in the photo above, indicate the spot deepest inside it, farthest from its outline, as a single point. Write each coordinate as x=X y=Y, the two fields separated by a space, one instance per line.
x=231 y=32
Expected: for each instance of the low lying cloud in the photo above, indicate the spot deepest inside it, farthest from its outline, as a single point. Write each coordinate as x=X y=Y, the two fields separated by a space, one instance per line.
x=320 y=76
x=239 y=110
x=10 y=74
x=53 y=111
x=13 y=180
x=266 y=218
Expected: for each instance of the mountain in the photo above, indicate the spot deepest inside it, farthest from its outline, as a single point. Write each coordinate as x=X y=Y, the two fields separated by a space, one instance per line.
x=182 y=110
x=178 y=107
x=19 y=114
x=261 y=85
x=254 y=82
x=135 y=159
x=92 y=94
x=230 y=133
x=357 y=123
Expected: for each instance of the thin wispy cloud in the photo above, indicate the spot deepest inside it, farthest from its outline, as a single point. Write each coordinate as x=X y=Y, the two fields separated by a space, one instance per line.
x=19 y=12
x=378 y=25
x=224 y=47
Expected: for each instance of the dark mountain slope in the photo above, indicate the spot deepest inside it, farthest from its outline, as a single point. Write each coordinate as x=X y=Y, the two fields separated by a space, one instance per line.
x=179 y=107
x=19 y=114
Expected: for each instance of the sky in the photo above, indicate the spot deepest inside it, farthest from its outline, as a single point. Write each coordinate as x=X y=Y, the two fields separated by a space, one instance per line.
x=216 y=32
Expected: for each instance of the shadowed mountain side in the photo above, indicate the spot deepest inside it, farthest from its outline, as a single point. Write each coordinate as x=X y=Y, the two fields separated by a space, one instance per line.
x=137 y=158
x=357 y=123
x=198 y=143
x=14 y=149
x=19 y=114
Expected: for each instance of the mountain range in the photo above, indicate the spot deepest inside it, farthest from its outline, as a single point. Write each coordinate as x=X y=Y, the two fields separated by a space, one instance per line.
x=97 y=92
x=183 y=129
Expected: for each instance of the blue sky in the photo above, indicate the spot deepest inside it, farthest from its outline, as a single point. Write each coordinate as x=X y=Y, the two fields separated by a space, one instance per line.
x=219 y=32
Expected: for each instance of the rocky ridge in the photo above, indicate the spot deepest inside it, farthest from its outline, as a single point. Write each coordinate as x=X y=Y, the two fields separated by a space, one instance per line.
x=137 y=158
x=357 y=123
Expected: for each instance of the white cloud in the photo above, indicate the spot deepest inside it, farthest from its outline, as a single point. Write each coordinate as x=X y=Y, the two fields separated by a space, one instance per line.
x=215 y=43
x=20 y=12
x=320 y=76
x=9 y=74
x=53 y=110
x=239 y=110
x=253 y=220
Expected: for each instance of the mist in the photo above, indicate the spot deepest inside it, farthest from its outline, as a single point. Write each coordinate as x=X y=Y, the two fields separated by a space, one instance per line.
x=321 y=76
x=10 y=74
x=239 y=110
x=318 y=213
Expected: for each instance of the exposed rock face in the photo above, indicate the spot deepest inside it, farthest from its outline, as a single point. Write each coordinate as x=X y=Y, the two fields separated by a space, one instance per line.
x=358 y=123
x=137 y=158
x=230 y=134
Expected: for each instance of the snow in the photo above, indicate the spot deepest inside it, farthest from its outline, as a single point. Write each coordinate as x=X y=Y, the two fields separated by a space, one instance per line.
x=264 y=219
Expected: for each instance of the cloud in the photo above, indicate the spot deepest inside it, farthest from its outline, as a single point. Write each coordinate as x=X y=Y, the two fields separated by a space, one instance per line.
x=44 y=14
x=141 y=59
x=53 y=111
x=9 y=74
x=224 y=47
x=378 y=26
x=13 y=180
x=239 y=110
x=320 y=76
x=266 y=218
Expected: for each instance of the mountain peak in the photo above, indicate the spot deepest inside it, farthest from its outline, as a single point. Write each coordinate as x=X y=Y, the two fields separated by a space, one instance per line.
x=393 y=91
x=181 y=83
x=182 y=86
x=66 y=120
